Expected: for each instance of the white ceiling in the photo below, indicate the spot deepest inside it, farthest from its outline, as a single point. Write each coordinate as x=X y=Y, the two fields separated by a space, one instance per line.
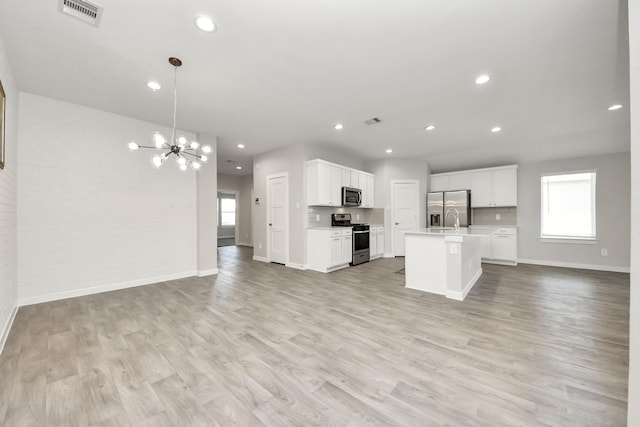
x=280 y=72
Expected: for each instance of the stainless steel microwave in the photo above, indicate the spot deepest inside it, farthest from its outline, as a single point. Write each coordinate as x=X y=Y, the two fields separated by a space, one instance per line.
x=351 y=196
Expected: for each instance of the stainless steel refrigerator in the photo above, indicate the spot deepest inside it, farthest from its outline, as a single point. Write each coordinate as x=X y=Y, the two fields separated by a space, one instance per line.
x=442 y=208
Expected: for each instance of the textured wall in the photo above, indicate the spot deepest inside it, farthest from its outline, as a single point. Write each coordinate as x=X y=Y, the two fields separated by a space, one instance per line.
x=92 y=215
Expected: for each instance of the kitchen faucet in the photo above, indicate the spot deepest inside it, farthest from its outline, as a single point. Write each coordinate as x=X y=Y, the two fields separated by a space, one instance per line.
x=456 y=225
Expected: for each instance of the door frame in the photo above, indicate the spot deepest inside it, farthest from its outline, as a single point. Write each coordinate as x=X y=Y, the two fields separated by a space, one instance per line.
x=284 y=175
x=393 y=210
x=237 y=226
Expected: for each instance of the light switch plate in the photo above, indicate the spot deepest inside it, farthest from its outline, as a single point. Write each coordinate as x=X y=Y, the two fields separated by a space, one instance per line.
x=497 y=217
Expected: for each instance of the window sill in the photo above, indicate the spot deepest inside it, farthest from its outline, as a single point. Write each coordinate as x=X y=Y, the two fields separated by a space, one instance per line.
x=570 y=240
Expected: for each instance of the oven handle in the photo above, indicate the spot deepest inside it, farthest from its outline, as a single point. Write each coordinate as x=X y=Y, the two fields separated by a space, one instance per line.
x=360 y=232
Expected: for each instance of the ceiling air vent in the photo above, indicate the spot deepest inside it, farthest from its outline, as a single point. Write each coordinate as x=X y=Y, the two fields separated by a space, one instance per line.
x=83 y=10
x=372 y=121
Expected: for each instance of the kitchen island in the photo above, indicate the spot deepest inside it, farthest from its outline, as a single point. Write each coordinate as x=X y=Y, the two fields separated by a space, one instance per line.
x=443 y=261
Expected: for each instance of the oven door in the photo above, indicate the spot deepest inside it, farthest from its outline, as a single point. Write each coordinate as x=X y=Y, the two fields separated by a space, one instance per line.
x=360 y=247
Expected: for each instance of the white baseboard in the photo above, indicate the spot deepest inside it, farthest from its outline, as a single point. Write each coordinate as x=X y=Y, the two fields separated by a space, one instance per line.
x=209 y=272
x=576 y=265
x=386 y=255
x=244 y=244
x=260 y=258
x=7 y=328
x=22 y=301
x=460 y=296
x=296 y=266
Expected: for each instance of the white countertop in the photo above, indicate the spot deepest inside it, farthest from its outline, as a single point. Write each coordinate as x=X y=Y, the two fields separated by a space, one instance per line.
x=463 y=231
x=492 y=226
x=327 y=228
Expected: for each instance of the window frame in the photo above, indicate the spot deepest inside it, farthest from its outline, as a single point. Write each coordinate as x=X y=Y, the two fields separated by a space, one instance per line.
x=571 y=238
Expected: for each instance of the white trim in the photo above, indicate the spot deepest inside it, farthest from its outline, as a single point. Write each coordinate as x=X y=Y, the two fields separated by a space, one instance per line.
x=244 y=244
x=571 y=240
x=296 y=266
x=460 y=296
x=7 y=328
x=22 y=301
x=284 y=175
x=475 y=170
x=499 y=261
x=260 y=258
x=611 y=268
x=393 y=204
x=209 y=272
x=388 y=255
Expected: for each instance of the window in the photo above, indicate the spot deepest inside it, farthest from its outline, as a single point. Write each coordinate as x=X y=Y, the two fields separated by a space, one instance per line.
x=227 y=209
x=568 y=206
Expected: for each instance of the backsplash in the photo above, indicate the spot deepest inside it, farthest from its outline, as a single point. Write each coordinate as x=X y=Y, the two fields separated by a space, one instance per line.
x=320 y=216
x=487 y=216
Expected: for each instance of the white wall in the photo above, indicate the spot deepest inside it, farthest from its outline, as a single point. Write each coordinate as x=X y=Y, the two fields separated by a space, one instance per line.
x=207 y=211
x=92 y=215
x=243 y=185
x=612 y=214
x=8 y=242
x=634 y=322
x=389 y=170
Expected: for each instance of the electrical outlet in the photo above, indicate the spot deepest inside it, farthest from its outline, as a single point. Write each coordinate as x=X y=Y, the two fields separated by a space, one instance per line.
x=318 y=217
x=357 y=217
x=453 y=249
x=259 y=245
x=497 y=217
x=604 y=252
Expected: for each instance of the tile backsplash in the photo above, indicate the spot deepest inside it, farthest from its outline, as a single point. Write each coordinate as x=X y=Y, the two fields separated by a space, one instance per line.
x=320 y=216
x=487 y=216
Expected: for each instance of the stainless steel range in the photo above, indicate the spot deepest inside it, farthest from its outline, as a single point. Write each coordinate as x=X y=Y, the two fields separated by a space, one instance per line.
x=360 y=237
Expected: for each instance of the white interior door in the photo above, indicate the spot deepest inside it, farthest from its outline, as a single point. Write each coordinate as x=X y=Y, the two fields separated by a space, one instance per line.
x=405 y=212
x=277 y=218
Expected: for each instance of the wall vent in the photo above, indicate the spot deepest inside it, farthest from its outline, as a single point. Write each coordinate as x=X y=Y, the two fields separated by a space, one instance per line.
x=372 y=121
x=83 y=10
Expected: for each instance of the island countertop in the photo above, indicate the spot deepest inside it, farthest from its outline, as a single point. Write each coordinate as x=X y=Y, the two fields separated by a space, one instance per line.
x=448 y=232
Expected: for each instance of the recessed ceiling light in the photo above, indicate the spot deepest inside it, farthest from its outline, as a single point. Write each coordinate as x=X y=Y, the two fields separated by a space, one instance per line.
x=389 y=151
x=480 y=80
x=154 y=86
x=205 y=24
x=238 y=167
x=338 y=126
x=430 y=127
x=240 y=145
x=496 y=129
x=615 y=107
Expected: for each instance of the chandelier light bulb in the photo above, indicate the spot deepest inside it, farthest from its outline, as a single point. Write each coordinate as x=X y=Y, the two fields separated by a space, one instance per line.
x=194 y=145
x=182 y=161
x=157 y=160
x=182 y=141
x=204 y=159
x=133 y=146
x=158 y=140
x=183 y=168
x=196 y=165
x=206 y=149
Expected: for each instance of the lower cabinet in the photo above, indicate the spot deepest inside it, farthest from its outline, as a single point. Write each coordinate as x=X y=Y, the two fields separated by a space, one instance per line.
x=500 y=246
x=329 y=249
x=376 y=242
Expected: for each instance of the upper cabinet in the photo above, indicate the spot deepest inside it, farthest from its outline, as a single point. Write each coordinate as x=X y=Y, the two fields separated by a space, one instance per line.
x=491 y=187
x=324 y=184
x=325 y=181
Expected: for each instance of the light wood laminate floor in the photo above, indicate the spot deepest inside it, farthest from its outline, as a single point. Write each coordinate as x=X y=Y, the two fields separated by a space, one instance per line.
x=261 y=344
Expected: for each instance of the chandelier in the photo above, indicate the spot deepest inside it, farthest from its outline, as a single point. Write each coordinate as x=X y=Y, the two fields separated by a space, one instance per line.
x=188 y=153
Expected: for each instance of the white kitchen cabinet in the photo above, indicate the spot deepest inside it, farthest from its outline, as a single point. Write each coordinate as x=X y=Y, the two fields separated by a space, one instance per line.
x=329 y=249
x=324 y=184
x=439 y=183
x=347 y=247
x=355 y=179
x=370 y=191
x=504 y=187
x=380 y=241
x=481 y=191
x=500 y=246
x=459 y=181
x=491 y=187
x=373 y=240
x=346 y=177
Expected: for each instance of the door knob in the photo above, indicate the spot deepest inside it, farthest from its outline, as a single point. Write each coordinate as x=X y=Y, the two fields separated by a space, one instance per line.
x=270 y=224
x=397 y=223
